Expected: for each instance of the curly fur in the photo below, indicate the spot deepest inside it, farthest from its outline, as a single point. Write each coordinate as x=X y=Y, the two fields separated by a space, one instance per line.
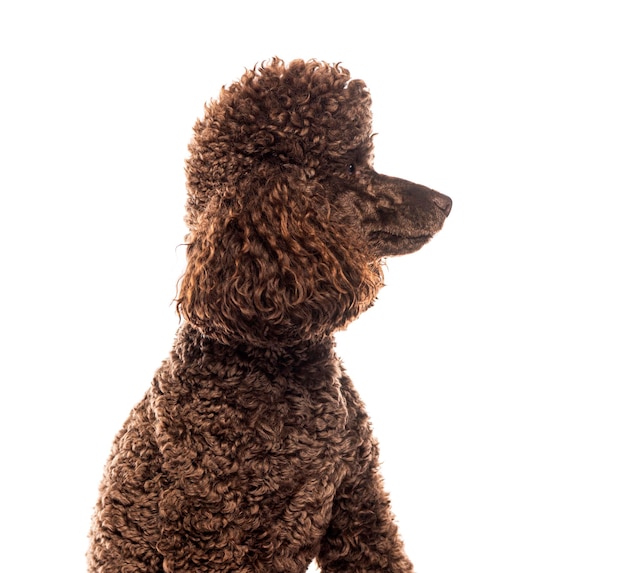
x=252 y=451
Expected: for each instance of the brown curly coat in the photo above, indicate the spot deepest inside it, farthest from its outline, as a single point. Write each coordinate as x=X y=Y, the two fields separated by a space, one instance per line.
x=252 y=451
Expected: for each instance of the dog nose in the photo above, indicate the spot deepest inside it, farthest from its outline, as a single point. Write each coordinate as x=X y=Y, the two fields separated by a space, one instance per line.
x=443 y=202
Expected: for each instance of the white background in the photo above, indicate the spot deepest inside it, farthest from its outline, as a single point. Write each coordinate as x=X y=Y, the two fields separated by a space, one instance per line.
x=493 y=362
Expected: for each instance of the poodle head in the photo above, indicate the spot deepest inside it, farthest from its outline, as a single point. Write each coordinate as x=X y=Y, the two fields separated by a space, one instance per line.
x=287 y=219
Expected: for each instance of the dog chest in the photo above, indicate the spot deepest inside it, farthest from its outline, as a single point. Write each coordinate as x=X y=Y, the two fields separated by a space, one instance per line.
x=253 y=459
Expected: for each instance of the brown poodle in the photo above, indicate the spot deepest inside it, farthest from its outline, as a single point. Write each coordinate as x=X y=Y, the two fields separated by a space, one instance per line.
x=252 y=451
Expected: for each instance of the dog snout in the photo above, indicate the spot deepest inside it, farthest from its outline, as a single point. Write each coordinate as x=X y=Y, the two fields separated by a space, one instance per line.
x=443 y=202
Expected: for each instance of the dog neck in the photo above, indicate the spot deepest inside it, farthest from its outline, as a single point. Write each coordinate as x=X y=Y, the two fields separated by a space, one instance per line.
x=204 y=350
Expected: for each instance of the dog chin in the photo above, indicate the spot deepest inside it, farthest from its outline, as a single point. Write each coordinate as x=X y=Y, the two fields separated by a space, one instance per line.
x=386 y=244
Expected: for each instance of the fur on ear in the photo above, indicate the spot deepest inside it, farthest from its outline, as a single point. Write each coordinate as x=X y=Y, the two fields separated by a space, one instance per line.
x=274 y=269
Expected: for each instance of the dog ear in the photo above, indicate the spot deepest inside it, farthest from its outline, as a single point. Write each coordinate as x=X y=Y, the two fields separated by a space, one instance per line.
x=268 y=265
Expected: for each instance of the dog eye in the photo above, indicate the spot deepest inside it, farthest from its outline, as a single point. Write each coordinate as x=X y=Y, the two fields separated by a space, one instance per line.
x=351 y=168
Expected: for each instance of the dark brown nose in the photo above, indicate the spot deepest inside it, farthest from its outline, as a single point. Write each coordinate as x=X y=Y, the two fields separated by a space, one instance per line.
x=443 y=202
